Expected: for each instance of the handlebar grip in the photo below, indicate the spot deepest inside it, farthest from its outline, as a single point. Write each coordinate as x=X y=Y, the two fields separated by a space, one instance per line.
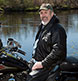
x=22 y=52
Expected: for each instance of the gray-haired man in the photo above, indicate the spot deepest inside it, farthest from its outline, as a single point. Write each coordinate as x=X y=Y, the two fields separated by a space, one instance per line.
x=49 y=47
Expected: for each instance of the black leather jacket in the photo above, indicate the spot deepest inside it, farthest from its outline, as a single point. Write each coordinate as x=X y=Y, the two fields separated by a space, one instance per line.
x=51 y=48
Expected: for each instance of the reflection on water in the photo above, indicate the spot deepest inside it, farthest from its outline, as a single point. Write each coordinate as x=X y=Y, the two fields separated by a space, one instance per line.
x=24 y=26
x=69 y=19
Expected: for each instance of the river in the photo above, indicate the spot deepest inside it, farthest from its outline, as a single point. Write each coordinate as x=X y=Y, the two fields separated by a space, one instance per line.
x=24 y=26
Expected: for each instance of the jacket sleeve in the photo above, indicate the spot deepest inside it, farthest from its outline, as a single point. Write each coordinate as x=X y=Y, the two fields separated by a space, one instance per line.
x=58 y=52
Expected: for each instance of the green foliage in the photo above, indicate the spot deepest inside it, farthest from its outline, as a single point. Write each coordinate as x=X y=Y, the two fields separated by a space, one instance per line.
x=13 y=3
x=1 y=2
x=32 y=8
x=1 y=9
x=34 y=4
x=29 y=3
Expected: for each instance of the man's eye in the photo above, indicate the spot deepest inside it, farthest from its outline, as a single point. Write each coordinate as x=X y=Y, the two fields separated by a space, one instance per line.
x=41 y=13
x=45 y=12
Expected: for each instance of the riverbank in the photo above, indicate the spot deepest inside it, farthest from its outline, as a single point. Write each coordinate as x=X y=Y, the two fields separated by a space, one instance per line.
x=6 y=10
x=33 y=5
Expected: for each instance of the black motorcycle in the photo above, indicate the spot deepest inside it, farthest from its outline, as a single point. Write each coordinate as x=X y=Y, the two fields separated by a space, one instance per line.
x=14 y=68
x=66 y=71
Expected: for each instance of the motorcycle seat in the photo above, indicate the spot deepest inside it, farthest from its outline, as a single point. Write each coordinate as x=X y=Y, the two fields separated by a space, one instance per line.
x=70 y=64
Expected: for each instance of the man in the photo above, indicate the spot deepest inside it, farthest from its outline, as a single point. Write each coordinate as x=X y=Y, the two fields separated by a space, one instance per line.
x=50 y=45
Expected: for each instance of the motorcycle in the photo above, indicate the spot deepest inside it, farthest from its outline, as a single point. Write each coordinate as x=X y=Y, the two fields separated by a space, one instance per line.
x=66 y=71
x=15 y=68
x=12 y=66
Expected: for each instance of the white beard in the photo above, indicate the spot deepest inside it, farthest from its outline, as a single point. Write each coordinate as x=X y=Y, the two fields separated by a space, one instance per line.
x=44 y=23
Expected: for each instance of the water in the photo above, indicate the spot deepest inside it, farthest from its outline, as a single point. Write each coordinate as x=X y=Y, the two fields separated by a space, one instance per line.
x=24 y=26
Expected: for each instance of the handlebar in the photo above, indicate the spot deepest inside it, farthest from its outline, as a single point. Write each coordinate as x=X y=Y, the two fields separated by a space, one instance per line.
x=20 y=51
x=15 y=49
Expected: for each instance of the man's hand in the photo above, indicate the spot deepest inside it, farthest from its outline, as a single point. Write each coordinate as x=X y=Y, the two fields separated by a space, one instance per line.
x=37 y=65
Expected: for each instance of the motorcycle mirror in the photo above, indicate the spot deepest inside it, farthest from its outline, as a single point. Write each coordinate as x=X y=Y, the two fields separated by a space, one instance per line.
x=11 y=42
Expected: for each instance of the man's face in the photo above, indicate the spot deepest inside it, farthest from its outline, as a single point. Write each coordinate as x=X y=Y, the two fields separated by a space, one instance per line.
x=46 y=15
